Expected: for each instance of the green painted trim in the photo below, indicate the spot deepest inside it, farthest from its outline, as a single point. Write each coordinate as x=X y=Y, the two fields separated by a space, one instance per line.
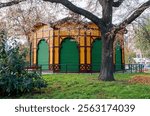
x=43 y=54
x=118 y=57
x=96 y=55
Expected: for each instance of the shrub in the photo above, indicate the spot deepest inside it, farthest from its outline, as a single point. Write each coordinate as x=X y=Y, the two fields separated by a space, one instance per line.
x=14 y=79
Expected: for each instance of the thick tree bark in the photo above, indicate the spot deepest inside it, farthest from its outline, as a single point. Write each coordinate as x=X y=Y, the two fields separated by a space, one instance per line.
x=106 y=73
x=107 y=65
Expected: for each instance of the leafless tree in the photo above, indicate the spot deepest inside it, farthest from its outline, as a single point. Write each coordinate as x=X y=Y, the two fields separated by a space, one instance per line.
x=108 y=29
x=21 y=18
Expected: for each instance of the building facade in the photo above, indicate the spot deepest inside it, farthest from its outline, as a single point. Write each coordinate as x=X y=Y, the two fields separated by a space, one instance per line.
x=71 y=46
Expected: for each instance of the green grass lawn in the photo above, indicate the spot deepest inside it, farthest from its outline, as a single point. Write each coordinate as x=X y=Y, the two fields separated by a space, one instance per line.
x=87 y=86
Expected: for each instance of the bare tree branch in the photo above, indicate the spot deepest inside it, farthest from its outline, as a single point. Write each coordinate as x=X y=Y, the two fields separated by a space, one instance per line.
x=100 y=1
x=80 y=11
x=118 y=3
x=132 y=17
x=10 y=3
x=137 y=13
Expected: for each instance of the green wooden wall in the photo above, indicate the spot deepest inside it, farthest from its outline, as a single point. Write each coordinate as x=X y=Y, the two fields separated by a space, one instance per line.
x=96 y=55
x=118 y=57
x=43 y=54
x=69 y=56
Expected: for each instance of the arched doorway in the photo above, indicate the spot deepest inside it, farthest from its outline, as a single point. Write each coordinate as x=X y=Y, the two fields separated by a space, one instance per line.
x=118 y=59
x=96 y=55
x=69 y=56
x=43 y=54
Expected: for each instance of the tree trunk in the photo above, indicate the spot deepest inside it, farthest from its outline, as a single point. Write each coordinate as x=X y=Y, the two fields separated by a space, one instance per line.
x=107 y=67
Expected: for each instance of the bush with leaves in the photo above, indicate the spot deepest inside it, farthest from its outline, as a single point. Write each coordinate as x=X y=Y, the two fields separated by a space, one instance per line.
x=14 y=79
